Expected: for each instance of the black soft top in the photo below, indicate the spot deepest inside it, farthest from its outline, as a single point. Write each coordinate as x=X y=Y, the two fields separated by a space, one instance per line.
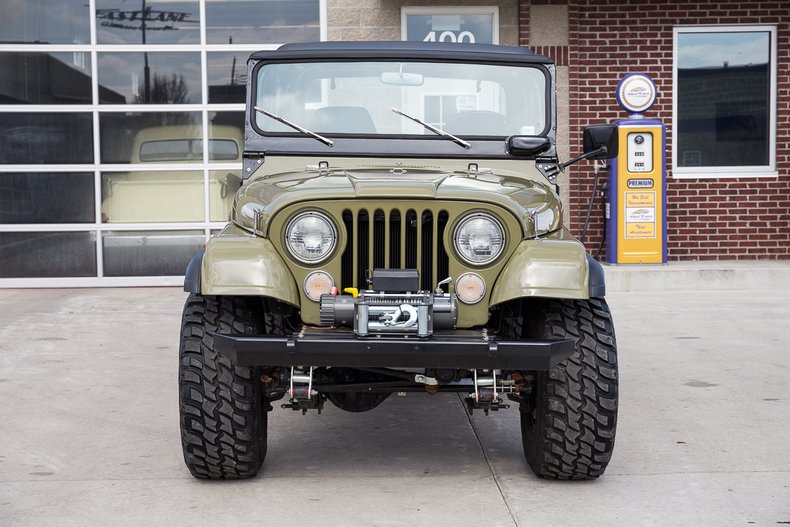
x=402 y=50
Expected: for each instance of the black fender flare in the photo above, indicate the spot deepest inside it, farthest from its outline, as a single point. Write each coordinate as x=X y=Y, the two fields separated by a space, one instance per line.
x=597 y=279
x=192 y=277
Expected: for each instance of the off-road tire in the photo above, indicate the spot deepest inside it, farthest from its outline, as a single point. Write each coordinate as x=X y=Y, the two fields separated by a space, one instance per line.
x=223 y=418
x=568 y=424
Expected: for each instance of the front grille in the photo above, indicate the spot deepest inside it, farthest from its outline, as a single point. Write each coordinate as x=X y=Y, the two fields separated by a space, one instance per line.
x=394 y=239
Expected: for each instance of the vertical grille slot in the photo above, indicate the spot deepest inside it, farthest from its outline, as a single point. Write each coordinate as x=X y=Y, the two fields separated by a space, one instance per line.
x=379 y=242
x=426 y=252
x=396 y=239
x=443 y=259
x=395 y=254
x=411 y=240
x=363 y=227
x=347 y=261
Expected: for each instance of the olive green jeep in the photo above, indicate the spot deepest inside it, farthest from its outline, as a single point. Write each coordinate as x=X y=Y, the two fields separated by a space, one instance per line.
x=399 y=230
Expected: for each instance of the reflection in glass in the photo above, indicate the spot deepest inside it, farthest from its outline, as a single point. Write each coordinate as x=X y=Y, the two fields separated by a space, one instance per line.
x=222 y=149
x=45 y=78
x=147 y=197
x=149 y=78
x=227 y=76
x=46 y=197
x=123 y=134
x=723 y=99
x=261 y=21
x=47 y=254
x=158 y=150
x=44 y=22
x=226 y=136
x=147 y=22
x=467 y=28
x=222 y=186
x=36 y=138
x=149 y=253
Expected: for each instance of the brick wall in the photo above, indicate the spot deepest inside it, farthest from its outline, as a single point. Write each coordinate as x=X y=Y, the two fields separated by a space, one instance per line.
x=708 y=219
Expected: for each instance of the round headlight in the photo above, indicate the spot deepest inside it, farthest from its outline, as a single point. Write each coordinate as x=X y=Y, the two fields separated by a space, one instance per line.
x=310 y=237
x=479 y=238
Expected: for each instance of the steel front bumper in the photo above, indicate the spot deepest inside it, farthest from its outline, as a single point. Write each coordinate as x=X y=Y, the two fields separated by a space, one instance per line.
x=330 y=348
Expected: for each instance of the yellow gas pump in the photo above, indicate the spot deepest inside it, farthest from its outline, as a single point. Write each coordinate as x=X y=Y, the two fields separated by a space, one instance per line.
x=636 y=189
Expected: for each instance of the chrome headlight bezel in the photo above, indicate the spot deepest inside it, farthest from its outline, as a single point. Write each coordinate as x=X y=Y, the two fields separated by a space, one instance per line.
x=289 y=229
x=495 y=222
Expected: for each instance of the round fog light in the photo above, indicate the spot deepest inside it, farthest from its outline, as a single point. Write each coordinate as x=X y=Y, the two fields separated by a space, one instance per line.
x=318 y=283
x=470 y=288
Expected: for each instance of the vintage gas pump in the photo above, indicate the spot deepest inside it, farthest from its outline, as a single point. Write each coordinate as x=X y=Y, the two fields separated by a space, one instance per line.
x=635 y=203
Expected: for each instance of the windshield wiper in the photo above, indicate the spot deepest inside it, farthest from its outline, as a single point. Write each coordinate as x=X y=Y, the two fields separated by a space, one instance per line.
x=286 y=122
x=433 y=129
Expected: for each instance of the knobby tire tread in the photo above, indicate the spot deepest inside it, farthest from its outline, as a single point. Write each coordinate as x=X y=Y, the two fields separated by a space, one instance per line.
x=223 y=424
x=571 y=433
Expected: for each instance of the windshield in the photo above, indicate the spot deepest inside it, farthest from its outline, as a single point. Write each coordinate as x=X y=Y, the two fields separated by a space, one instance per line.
x=358 y=97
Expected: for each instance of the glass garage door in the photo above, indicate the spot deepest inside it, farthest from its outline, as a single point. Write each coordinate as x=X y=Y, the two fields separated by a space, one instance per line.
x=121 y=131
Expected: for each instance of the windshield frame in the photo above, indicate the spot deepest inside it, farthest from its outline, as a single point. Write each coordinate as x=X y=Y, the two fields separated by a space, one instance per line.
x=538 y=68
x=258 y=141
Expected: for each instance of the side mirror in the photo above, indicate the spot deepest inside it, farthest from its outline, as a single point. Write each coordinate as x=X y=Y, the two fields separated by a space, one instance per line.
x=598 y=137
x=527 y=145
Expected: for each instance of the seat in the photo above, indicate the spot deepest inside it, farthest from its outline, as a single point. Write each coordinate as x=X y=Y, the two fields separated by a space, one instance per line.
x=477 y=122
x=342 y=120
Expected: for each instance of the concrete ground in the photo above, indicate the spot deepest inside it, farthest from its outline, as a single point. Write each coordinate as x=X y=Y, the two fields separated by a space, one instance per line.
x=89 y=428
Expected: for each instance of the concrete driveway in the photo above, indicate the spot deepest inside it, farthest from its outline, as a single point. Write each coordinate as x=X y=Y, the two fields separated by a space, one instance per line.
x=89 y=428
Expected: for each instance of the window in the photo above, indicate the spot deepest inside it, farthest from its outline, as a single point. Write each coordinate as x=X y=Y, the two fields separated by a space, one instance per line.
x=724 y=103
x=471 y=25
x=262 y=21
x=149 y=78
x=147 y=22
x=45 y=78
x=45 y=22
x=122 y=128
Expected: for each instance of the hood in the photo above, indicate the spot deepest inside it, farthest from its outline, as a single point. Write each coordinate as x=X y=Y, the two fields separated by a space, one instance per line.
x=534 y=203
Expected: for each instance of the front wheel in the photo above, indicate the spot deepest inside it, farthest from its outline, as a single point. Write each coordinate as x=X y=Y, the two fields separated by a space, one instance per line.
x=223 y=419
x=568 y=422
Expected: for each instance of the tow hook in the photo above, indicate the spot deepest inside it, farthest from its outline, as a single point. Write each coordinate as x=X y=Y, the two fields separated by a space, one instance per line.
x=424 y=379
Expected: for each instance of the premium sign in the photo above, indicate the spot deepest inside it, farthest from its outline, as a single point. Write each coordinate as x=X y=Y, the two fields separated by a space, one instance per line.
x=640 y=183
